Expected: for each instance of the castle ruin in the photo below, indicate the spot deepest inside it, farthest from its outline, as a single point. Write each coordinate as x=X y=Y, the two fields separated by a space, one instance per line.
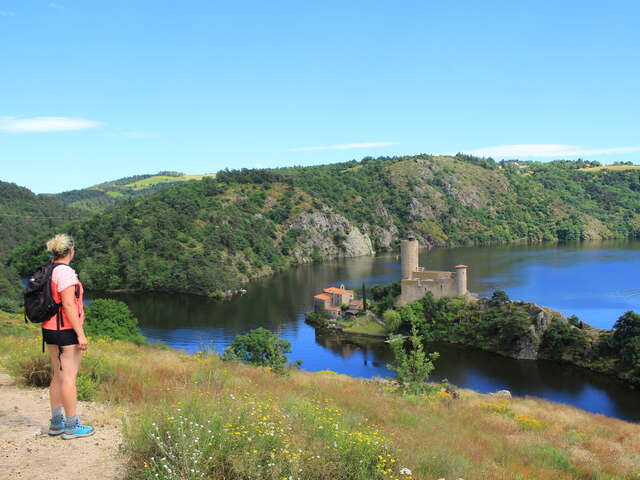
x=416 y=281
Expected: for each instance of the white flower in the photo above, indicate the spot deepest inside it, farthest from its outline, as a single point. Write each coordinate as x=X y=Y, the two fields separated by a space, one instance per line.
x=406 y=471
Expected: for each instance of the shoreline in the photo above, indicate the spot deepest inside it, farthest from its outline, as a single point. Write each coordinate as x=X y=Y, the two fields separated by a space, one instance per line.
x=341 y=332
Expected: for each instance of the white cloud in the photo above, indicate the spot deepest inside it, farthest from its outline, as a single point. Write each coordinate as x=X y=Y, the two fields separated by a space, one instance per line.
x=547 y=150
x=343 y=147
x=45 y=124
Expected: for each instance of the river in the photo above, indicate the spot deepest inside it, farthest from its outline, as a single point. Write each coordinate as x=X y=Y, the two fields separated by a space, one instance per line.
x=595 y=280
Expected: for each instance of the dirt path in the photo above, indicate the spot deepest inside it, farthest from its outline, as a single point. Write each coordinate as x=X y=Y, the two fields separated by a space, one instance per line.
x=27 y=452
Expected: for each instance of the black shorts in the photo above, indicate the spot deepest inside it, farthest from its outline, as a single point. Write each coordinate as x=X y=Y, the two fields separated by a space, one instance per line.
x=61 y=338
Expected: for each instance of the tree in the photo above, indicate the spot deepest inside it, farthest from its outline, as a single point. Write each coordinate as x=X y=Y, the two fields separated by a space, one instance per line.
x=392 y=320
x=626 y=338
x=412 y=367
x=364 y=297
x=106 y=318
x=499 y=297
x=260 y=347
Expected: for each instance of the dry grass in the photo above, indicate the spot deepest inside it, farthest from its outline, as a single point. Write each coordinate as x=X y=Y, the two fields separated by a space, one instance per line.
x=611 y=167
x=474 y=437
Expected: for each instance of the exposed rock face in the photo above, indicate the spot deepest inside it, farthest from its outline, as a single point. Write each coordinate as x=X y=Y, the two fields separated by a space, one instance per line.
x=383 y=238
x=529 y=346
x=330 y=235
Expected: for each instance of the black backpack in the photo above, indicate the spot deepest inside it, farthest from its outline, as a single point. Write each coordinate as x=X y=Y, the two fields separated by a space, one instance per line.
x=39 y=305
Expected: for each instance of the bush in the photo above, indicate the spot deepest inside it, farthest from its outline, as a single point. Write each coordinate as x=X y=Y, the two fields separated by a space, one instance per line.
x=86 y=388
x=35 y=371
x=412 y=367
x=9 y=305
x=259 y=347
x=499 y=297
x=106 y=318
x=392 y=320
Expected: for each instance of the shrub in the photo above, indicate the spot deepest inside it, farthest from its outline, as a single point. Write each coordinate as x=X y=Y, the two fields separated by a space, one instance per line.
x=626 y=338
x=499 y=297
x=34 y=370
x=392 y=320
x=414 y=367
x=86 y=387
x=9 y=305
x=259 y=347
x=106 y=318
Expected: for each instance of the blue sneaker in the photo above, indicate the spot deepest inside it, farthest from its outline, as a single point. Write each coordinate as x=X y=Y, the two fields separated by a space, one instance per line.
x=56 y=426
x=78 y=431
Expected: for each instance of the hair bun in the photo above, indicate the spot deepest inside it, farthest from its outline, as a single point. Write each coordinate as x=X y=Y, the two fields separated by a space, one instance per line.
x=60 y=245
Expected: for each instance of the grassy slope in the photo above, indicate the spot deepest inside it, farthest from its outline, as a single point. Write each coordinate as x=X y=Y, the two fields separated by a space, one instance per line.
x=158 y=179
x=474 y=437
x=98 y=198
x=615 y=168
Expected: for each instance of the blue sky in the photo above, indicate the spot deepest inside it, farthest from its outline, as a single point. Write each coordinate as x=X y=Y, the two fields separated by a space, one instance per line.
x=92 y=91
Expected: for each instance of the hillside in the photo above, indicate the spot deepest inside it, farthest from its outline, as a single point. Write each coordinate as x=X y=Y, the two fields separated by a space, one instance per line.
x=211 y=237
x=195 y=416
x=24 y=216
x=98 y=198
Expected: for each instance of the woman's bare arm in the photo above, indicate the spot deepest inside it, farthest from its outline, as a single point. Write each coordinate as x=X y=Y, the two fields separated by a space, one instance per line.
x=71 y=311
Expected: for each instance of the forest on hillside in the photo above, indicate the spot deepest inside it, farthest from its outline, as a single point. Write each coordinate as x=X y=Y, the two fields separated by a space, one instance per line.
x=211 y=236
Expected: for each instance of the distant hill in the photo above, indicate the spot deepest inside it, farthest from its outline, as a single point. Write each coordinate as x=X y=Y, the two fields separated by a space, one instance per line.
x=25 y=216
x=211 y=237
x=99 y=197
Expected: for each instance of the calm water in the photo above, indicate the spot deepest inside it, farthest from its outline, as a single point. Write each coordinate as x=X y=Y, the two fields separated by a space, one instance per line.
x=596 y=281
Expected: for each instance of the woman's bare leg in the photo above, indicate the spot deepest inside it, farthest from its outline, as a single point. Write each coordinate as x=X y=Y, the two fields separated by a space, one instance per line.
x=55 y=388
x=70 y=360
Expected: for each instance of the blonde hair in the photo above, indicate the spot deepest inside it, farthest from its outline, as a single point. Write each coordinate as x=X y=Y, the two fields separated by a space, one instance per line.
x=60 y=245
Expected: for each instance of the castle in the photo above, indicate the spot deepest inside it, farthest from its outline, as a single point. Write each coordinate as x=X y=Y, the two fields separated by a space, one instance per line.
x=416 y=281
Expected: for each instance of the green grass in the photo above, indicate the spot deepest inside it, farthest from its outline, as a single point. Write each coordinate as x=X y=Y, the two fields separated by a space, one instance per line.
x=9 y=326
x=156 y=179
x=368 y=326
x=151 y=181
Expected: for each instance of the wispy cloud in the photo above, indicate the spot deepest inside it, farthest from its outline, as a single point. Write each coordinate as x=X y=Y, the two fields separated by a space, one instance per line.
x=45 y=124
x=343 y=147
x=547 y=150
x=55 y=5
x=4 y=13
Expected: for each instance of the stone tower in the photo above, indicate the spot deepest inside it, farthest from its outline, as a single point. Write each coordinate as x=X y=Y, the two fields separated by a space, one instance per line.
x=409 y=250
x=461 y=280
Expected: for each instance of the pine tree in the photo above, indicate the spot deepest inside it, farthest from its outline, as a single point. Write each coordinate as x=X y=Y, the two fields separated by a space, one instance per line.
x=364 y=297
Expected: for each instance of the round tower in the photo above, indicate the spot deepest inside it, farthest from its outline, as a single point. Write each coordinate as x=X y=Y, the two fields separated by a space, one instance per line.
x=409 y=250
x=461 y=280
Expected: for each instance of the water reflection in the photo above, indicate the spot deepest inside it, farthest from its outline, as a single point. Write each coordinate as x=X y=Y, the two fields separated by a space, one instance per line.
x=596 y=281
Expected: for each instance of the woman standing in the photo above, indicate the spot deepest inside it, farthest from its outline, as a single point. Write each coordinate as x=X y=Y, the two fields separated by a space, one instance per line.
x=64 y=335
